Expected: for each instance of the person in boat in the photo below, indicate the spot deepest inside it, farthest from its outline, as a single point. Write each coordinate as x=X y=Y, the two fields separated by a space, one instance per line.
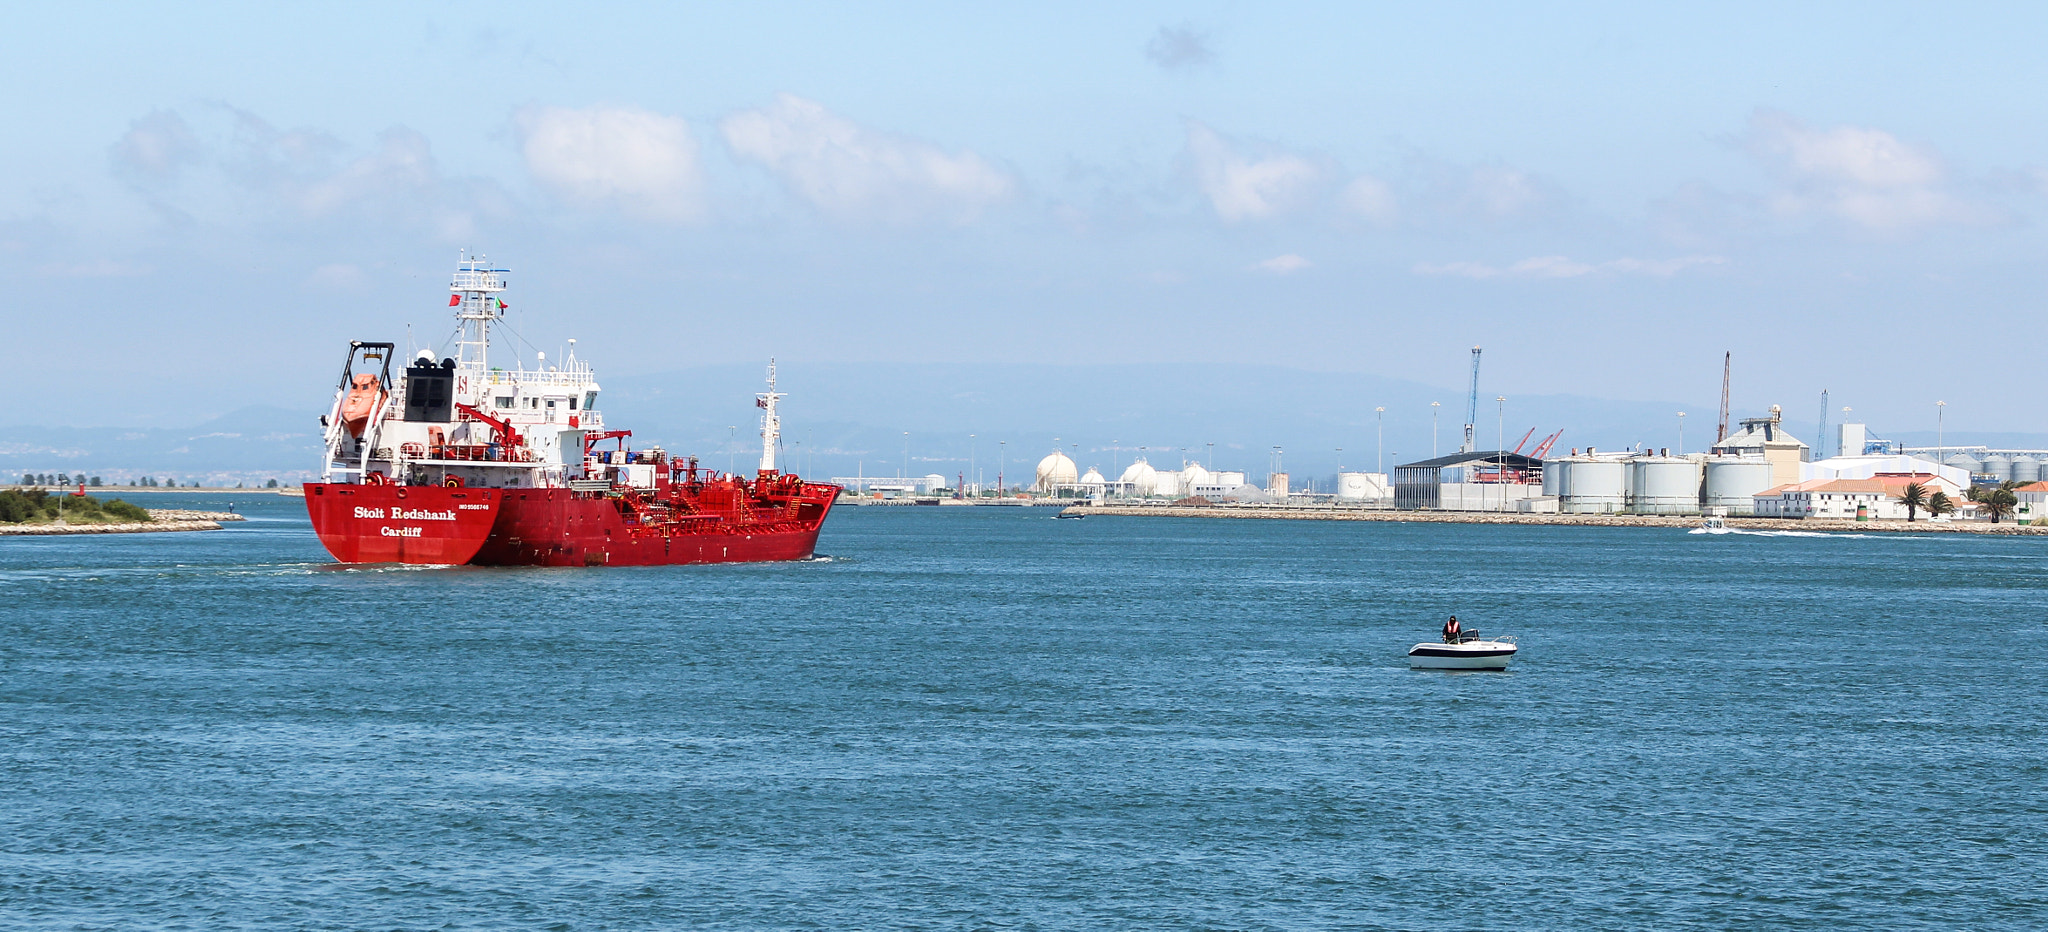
x=1452 y=630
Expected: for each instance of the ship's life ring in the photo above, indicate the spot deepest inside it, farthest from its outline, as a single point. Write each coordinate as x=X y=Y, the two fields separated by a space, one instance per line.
x=401 y=491
x=374 y=478
x=453 y=482
x=365 y=395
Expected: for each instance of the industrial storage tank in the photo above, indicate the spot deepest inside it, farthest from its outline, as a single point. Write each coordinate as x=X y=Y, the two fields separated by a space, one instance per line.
x=2026 y=469
x=1554 y=475
x=1664 y=485
x=1362 y=487
x=1998 y=466
x=1732 y=484
x=1966 y=462
x=1596 y=487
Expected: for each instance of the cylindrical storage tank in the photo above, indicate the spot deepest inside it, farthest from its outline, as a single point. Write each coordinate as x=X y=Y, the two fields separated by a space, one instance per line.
x=1597 y=487
x=2026 y=469
x=1353 y=487
x=1732 y=484
x=1554 y=474
x=1965 y=461
x=1664 y=485
x=1998 y=467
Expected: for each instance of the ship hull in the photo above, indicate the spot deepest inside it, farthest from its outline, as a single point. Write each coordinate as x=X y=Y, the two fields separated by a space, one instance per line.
x=420 y=524
x=537 y=530
x=540 y=527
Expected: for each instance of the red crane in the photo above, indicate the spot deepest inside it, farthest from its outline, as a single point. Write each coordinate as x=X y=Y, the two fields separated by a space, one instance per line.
x=1545 y=446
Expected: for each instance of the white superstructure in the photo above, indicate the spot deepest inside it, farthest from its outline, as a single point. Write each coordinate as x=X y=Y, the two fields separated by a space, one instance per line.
x=462 y=418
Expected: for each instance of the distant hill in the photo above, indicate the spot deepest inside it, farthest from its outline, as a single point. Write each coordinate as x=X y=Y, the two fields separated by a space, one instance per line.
x=249 y=445
x=841 y=418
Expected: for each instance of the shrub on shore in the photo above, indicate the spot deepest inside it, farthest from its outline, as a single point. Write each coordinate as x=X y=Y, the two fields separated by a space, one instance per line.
x=37 y=506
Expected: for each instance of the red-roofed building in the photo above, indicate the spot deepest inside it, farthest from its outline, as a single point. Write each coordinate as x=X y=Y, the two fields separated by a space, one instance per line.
x=1878 y=498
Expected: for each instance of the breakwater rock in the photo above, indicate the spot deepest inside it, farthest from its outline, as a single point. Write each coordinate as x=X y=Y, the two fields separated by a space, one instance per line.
x=1326 y=513
x=164 y=519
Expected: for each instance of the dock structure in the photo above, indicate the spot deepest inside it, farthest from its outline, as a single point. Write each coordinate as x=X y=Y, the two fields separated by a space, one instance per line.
x=1312 y=513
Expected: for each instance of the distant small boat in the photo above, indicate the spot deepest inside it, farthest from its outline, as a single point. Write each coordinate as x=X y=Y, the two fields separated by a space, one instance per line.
x=1712 y=526
x=1076 y=517
x=1471 y=652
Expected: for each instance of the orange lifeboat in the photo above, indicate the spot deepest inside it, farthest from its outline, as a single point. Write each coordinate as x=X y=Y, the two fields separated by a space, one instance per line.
x=365 y=396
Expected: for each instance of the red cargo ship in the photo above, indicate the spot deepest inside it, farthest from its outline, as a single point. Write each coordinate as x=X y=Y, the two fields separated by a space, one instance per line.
x=460 y=461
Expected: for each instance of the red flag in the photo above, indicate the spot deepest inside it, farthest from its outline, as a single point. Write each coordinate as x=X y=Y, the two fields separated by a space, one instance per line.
x=501 y=305
x=454 y=299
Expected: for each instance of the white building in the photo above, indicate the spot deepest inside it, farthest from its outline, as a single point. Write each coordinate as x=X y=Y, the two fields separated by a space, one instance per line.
x=1879 y=498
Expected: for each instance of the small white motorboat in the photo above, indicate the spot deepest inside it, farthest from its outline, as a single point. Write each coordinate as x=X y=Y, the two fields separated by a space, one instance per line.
x=1712 y=525
x=1471 y=652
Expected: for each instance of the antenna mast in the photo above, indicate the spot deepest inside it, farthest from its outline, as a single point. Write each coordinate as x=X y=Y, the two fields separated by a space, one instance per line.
x=771 y=423
x=1725 y=361
x=1472 y=404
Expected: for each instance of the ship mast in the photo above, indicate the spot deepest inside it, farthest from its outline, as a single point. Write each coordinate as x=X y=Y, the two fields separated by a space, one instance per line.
x=476 y=285
x=771 y=423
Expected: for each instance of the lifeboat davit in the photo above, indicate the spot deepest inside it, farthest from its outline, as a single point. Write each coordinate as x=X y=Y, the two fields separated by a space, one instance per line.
x=365 y=396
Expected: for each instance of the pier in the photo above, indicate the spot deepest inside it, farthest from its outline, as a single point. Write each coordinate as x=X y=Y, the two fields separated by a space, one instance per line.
x=1329 y=513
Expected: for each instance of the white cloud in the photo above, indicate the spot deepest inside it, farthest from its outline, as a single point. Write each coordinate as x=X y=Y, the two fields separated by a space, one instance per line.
x=1283 y=265
x=1867 y=177
x=1241 y=187
x=855 y=173
x=1563 y=267
x=156 y=146
x=642 y=163
x=1370 y=198
x=401 y=165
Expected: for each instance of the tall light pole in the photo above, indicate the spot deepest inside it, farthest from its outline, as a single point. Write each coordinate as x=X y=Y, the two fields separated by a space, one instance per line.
x=1940 y=439
x=970 y=465
x=1434 y=407
x=1380 y=447
x=1500 y=448
x=1002 y=461
x=905 y=472
x=1681 y=433
x=729 y=447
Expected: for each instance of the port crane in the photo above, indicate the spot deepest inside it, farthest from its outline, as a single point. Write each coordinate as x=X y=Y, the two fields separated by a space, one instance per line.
x=1472 y=404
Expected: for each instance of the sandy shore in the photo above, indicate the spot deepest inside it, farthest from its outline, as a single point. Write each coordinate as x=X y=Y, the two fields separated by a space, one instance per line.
x=1457 y=517
x=166 y=519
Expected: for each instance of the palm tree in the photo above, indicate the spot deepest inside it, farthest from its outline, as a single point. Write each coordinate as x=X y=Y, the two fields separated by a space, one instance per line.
x=1995 y=500
x=1914 y=498
x=1939 y=504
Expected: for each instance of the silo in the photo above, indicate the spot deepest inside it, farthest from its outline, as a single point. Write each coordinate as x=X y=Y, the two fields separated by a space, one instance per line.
x=1998 y=466
x=1664 y=485
x=1732 y=484
x=1596 y=487
x=1965 y=462
x=2026 y=469
x=1554 y=475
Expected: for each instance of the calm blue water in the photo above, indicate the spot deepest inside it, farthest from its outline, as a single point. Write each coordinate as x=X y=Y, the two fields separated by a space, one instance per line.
x=988 y=719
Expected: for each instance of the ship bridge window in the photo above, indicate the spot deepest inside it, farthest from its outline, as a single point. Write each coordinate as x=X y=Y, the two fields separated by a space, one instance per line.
x=572 y=404
x=589 y=399
x=504 y=401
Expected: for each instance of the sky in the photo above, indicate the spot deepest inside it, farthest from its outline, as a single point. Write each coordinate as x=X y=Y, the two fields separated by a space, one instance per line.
x=201 y=203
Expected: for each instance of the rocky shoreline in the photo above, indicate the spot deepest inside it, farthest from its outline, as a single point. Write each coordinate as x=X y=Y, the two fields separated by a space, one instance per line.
x=1300 y=513
x=165 y=519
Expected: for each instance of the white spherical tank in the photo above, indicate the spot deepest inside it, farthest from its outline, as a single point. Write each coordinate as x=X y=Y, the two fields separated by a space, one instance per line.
x=1140 y=478
x=1056 y=470
x=1998 y=467
x=2026 y=469
x=1597 y=487
x=1732 y=484
x=1664 y=485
